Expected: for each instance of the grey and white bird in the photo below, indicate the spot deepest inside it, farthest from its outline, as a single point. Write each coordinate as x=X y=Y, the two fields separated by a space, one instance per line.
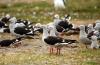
x=97 y=25
x=94 y=44
x=13 y=20
x=83 y=36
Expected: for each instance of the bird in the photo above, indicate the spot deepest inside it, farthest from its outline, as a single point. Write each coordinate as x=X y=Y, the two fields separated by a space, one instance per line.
x=94 y=44
x=4 y=30
x=27 y=22
x=19 y=29
x=6 y=18
x=54 y=41
x=97 y=25
x=83 y=36
x=64 y=23
x=2 y=24
x=90 y=28
x=67 y=17
x=56 y=23
x=59 y=4
x=56 y=20
x=8 y=42
x=38 y=28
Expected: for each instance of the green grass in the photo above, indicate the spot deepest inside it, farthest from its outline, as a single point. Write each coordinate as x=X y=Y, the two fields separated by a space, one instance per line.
x=78 y=9
x=90 y=63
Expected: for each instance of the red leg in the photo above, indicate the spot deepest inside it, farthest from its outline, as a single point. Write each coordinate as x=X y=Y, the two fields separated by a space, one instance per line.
x=52 y=50
x=56 y=50
x=59 y=51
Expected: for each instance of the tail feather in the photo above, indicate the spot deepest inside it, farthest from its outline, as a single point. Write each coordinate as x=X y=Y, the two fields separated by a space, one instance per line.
x=70 y=41
x=64 y=43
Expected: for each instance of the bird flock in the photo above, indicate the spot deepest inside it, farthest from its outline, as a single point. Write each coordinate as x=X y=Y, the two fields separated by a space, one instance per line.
x=52 y=33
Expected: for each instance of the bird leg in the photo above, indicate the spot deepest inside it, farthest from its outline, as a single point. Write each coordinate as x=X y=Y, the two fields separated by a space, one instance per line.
x=51 y=50
x=58 y=51
x=86 y=47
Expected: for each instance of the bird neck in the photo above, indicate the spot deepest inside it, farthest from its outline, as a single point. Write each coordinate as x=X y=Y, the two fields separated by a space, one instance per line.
x=94 y=43
x=52 y=32
x=11 y=26
x=56 y=21
x=45 y=33
x=83 y=33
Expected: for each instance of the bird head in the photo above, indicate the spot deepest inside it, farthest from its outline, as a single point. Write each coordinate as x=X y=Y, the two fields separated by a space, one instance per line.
x=56 y=16
x=7 y=16
x=13 y=20
x=82 y=27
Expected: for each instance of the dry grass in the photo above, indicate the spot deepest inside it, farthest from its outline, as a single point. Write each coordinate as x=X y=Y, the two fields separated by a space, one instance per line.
x=34 y=52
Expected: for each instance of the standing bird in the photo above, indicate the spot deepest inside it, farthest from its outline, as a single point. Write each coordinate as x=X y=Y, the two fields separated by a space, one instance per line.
x=54 y=41
x=59 y=4
x=94 y=44
x=13 y=20
x=83 y=37
x=97 y=25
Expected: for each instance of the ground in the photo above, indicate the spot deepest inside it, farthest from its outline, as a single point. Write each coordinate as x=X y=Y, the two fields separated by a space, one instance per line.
x=35 y=52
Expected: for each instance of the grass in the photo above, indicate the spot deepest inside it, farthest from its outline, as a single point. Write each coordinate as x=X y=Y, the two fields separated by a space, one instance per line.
x=88 y=57
x=78 y=9
x=43 y=12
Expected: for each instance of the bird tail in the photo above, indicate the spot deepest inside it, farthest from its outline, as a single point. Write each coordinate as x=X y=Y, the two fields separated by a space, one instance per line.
x=68 y=41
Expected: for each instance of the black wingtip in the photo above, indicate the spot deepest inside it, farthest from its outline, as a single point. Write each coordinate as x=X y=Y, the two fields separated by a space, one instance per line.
x=76 y=41
x=20 y=38
x=71 y=41
x=99 y=46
